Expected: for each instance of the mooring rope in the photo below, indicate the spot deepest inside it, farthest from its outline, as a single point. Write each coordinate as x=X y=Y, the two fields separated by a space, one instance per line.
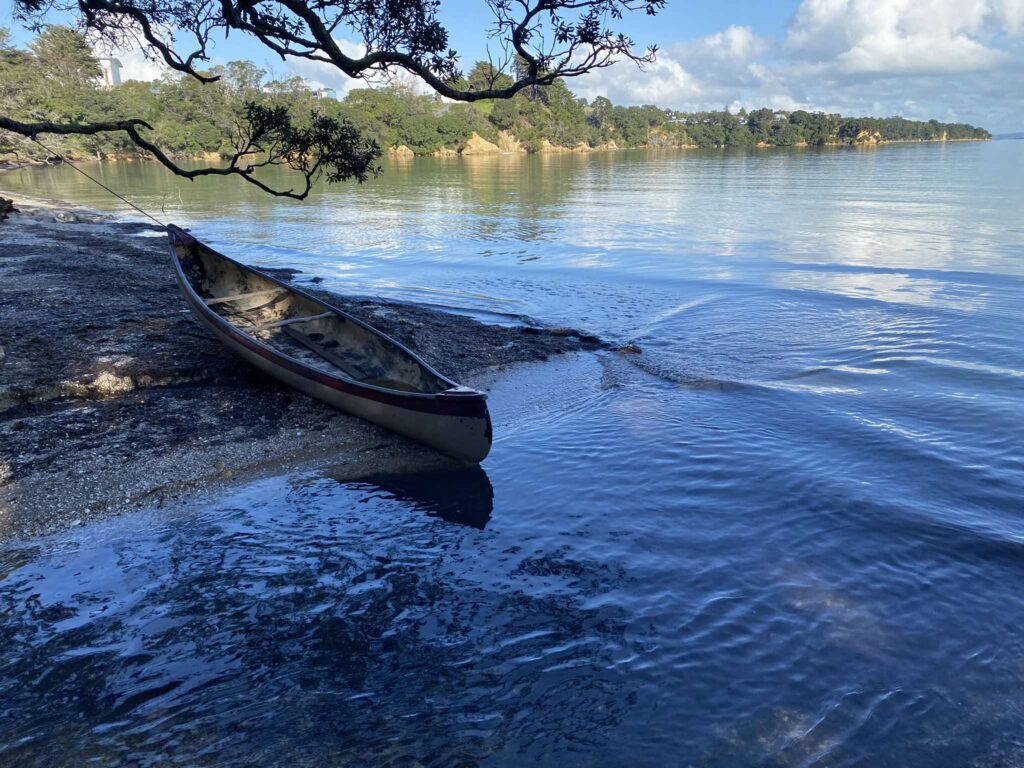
x=97 y=181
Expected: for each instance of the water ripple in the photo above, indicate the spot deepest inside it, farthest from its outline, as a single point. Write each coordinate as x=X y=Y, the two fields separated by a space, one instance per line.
x=787 y=531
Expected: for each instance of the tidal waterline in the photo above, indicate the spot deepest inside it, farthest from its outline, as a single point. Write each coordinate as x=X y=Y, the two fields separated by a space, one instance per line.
x=789 y=532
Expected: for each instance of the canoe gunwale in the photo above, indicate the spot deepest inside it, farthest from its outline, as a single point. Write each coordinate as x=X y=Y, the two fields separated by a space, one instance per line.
x=457 y=401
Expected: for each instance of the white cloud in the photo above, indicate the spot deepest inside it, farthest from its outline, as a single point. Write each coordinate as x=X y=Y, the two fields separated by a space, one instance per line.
x=1011 y=14
x=889 y=53
x=135 y=64
x=321 y=74
x=954 y=60
x=948 y=59
x=731 y=70
x=735 y=44
x=896 y=37
x=664 y=83
x=724 y=61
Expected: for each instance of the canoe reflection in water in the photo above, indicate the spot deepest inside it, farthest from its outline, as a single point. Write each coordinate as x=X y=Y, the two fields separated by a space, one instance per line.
x=457 y=494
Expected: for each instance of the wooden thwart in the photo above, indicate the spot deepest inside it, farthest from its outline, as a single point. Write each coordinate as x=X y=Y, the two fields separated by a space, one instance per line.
x=334 y=359
x=290 y=321
x=237 y=296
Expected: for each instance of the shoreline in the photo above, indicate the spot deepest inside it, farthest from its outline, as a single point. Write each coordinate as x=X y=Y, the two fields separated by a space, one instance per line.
x=400 y=153
x=113 y=398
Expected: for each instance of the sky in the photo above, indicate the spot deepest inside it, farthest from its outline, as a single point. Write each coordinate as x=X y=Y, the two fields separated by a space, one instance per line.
x=953 y=60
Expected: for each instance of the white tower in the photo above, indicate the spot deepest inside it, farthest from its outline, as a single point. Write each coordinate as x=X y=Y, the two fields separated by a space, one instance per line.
x=111 y=72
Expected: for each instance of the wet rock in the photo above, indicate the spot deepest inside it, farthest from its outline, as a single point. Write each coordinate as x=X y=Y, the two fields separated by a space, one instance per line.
x=586 y=339
x=6 y=208
x=281 y=273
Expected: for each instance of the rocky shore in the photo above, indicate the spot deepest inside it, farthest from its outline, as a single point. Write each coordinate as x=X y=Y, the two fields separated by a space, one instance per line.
x=112 y=397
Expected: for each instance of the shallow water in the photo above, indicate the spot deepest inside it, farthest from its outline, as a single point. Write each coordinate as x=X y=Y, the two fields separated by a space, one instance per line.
x=790 y=532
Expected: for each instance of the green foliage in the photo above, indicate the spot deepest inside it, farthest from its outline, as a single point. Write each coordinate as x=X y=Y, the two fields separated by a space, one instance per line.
x=817 y=129
x=321 y=141
x=16 y=78
x=57 y=79
x=419 y=133
x=64 y=57
x=759 y=123
x=460 y=121
x=485 y=77
x=765 y=127
x=504 y=114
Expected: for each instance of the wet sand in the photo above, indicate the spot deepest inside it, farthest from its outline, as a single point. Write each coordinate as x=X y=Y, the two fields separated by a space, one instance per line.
x=112 y=397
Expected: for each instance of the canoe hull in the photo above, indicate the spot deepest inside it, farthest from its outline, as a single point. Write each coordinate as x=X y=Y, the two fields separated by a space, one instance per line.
x=457 y=424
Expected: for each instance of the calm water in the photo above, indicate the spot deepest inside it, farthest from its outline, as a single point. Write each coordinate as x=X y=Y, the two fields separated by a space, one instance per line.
x=791 y=532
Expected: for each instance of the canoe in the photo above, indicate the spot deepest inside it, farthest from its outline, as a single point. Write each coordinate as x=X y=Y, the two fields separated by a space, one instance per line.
x=327 y=353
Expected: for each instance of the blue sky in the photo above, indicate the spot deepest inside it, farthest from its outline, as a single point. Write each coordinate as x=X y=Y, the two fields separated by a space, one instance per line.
x=959 y=60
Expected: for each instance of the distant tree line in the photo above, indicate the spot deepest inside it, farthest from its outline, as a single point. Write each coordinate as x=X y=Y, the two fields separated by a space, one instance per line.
x=57 y=78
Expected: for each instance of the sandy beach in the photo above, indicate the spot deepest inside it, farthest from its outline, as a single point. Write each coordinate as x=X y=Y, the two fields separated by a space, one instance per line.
x=114 y=398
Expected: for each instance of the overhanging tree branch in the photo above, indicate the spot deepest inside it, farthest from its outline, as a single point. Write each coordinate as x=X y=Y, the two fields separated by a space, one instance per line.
x=266 y=137
x=553 y=38
x=542 y=40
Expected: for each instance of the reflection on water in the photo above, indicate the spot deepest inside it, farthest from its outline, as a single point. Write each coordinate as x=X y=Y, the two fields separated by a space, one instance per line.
x=886 y=286
x=458 y=495
x=304 y=623
x=788 y=532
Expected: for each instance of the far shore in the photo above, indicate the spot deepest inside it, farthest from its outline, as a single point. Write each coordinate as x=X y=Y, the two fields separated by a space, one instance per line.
x=478 y=147
x=113 y=397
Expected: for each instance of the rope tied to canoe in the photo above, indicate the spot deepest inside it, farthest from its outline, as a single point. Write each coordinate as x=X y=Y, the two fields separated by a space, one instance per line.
x=122 y=198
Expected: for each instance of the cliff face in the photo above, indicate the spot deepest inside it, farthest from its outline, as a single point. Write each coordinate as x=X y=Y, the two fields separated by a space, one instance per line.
x=546 y=147
x=863 y=137
x=509 y=144
x=477 y=145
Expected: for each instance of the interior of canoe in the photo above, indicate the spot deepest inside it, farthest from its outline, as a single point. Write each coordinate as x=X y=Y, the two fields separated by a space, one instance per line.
x=300 y=327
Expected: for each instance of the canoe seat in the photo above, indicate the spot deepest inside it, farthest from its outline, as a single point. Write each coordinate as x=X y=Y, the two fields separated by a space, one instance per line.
x=237 y=296
x=290 y=321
